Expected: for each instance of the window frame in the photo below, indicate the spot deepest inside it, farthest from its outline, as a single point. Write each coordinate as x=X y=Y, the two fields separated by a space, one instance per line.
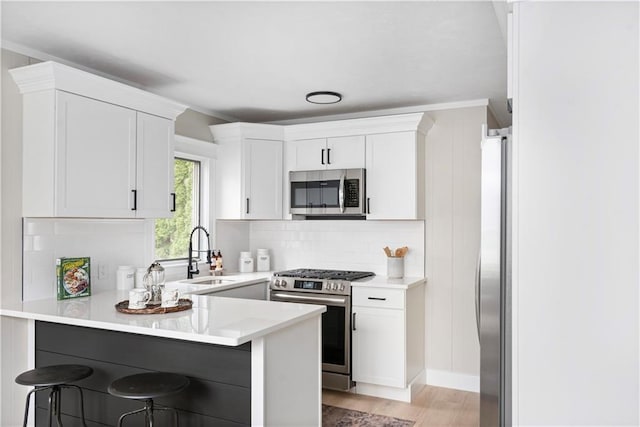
x=197 y=193
x=205 y=153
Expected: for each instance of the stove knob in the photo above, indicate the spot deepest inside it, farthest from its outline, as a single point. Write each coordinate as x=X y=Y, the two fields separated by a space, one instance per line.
x=334 y=286
x=283 y=283
x=276 y=283
x=341 y=287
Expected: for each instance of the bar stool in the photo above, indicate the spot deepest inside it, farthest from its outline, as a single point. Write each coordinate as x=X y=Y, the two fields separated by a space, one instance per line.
x=54 y=378
x=148 y=386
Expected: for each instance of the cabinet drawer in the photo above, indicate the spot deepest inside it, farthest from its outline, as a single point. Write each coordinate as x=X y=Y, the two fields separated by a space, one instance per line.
x=373 y=297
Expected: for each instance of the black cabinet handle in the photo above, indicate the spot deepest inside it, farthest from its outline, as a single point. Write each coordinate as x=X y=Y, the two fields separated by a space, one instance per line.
x=377 y=299
x=247 y=205
x=173 y=204
x=135 y=200
x=353 y=321
x=368 y=205
x=322 y=156
x=328 y=156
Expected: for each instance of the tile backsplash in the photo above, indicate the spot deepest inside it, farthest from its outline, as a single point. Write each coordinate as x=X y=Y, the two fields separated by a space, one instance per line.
x=342 y=245
x=109 y=243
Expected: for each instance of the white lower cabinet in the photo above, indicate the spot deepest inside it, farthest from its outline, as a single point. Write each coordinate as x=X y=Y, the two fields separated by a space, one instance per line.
x=387 y=340
x=378 y=346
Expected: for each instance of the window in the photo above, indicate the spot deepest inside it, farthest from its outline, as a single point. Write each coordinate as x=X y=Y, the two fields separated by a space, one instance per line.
x=172 y=234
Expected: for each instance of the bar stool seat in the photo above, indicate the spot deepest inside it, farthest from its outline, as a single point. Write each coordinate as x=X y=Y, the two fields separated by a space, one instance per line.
x=54 y=378
x=148 y=386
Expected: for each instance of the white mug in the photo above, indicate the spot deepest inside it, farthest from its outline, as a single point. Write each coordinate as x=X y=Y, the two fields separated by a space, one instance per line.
x=170 y=297
x=138 y=298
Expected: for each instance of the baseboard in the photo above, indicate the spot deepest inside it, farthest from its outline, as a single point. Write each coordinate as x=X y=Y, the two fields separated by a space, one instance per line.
x=453 y=380
x=406 y=394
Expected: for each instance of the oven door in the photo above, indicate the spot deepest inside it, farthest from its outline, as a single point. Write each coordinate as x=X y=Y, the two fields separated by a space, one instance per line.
x=336 y=327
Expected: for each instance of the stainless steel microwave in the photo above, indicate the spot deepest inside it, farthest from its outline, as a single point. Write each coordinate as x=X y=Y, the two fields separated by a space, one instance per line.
x=337 y=192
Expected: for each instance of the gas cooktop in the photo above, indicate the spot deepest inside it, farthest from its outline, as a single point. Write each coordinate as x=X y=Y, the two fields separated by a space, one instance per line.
x=309 y=273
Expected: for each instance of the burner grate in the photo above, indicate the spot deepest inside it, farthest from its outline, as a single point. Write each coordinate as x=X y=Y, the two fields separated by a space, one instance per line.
x=309 y=273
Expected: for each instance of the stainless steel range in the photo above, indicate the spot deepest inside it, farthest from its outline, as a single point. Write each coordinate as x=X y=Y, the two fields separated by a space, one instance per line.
x=333 y=289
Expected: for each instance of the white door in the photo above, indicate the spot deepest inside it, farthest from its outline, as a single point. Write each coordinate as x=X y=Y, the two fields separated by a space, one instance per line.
x=154 y=176
x=307 y=154
x=391 y=176
x=95 y=166
x=378 y=346
x=345 y=152
x=262 y=179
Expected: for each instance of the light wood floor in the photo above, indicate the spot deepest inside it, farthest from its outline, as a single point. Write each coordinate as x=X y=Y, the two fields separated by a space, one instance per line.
x=433 y=406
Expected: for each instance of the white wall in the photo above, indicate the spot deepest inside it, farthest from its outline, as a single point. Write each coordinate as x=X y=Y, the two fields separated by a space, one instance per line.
x=453 y=240
x=576 y=274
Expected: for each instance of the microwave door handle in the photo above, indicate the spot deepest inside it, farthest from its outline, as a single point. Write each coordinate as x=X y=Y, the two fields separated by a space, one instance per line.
x=341 y=193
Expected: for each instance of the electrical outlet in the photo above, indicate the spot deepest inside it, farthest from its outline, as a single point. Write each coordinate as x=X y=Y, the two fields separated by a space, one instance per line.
x=102 y=271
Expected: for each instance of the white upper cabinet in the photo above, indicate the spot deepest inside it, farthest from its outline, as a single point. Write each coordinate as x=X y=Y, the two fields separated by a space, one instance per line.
x=395 y=175
x=390 y=148
x=345 y=152
x=248 y=171
x=155 y=193
x=93 y=147
x=95 y=168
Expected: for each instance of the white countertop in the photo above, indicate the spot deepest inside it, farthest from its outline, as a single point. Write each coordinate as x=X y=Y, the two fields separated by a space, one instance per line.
x=385 y=282
x=213 y=320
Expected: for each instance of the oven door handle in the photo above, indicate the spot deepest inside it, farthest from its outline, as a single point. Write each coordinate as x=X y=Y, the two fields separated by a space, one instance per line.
x=333 y=300
x=341 y=193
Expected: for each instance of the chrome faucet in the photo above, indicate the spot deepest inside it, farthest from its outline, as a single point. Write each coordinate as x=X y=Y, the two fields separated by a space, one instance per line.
x=190 y=270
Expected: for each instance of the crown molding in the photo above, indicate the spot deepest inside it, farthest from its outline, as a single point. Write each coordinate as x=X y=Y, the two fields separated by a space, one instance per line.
x=226 y=131
x=53 y=75
x=419 y=122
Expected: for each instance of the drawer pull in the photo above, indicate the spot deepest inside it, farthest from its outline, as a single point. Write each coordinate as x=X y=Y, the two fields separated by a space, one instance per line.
x=377 y=299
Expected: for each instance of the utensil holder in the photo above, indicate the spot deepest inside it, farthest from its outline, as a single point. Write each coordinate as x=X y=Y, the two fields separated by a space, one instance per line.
x=395 y=267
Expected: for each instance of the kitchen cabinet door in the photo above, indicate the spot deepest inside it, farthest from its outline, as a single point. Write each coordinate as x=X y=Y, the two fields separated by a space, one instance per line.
x=327 y=153
x=154 y=171
x=307 y=154
x=95 y=158
x=394 y=176
x=346 y=152
x=378 y=340
x=262 y=166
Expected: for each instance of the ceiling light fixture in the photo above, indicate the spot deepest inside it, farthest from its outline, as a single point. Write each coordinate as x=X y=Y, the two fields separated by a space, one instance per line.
x=324 y=97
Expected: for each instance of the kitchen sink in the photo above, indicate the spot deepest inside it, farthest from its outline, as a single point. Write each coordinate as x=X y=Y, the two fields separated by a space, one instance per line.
x=207 y=281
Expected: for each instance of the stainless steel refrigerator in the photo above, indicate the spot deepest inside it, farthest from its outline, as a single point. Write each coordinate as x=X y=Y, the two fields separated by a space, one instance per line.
x=493 y=285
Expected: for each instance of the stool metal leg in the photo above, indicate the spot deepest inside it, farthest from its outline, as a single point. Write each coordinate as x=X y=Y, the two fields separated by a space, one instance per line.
x=52 y=396
x=26 y=407
x=122 y=417
x=149 y=411
x=58 y=406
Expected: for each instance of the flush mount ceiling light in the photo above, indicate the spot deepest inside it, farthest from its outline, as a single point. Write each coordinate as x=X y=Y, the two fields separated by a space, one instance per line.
x=324 y=97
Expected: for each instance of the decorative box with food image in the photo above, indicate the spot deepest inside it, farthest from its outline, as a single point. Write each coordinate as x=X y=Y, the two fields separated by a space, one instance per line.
x=73 y=277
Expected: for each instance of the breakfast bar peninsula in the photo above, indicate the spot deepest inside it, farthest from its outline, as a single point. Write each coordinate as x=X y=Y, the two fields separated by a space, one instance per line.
x=249 y=362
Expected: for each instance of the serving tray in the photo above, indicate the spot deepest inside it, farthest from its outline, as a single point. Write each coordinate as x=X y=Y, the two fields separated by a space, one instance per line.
x=183 y=304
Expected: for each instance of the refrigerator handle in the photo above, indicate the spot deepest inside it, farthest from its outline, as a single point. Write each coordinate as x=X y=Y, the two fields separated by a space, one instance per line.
x=477 y=291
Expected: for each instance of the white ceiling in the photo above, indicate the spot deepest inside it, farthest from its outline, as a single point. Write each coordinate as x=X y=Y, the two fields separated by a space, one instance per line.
x=255 y=61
